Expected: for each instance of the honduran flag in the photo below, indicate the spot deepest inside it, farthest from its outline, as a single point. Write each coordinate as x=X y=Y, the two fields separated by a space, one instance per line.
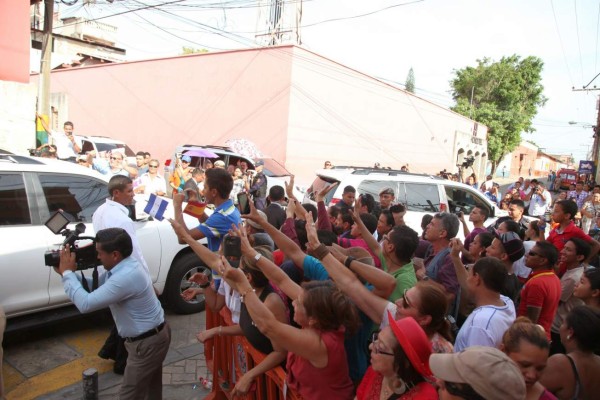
x=156 y=207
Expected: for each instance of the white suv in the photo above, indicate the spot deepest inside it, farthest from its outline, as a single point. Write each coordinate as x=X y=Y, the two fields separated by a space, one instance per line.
x=31 y=189
x=421 y=194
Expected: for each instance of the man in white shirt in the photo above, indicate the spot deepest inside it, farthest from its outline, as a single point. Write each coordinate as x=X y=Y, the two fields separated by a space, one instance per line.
x=67 y=146
x=494 y=313
x=152 y=182
x=115 y=214
x=539 y=199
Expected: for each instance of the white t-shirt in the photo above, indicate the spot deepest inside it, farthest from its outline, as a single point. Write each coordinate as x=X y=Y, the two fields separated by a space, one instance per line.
x=64 y=147
x=232 y=300
x=153 y=185
x=486 y=325
x=537 y=206
x=519 y=267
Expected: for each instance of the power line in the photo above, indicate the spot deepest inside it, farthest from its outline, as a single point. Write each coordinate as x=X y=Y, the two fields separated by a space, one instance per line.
x=562 y=47
x=578 y=40
x=362 y=15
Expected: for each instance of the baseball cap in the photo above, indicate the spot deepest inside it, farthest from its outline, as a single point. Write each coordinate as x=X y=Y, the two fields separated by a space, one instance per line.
x=186 y=159
x=414 y=342
x=513 y=245
x=486 y=369
x=219 y=163
x=259 y=163
x=387 y=190
x=254 y=224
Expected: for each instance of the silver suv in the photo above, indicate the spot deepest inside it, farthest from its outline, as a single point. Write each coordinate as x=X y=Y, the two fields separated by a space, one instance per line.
x=421 y=194
x=31 y=189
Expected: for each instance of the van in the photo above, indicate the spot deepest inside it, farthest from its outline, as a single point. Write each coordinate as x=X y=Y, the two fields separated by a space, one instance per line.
x=567 y=178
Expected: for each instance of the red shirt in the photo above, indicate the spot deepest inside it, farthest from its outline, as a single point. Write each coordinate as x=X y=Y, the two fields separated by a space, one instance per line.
x=541 y=290
x=559 y=239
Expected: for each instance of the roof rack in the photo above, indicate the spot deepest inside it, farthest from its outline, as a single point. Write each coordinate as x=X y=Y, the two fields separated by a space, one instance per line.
x=372 y=170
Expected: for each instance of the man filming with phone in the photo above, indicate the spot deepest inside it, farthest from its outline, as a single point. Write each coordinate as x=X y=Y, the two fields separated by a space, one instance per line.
x=127 y=289
x=539 y=199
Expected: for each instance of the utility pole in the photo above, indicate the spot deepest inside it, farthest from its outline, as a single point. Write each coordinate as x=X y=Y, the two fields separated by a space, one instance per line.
x=596 y=145
x=43 y=102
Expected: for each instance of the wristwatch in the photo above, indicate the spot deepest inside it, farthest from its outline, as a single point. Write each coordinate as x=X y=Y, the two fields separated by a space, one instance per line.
x=257 y=257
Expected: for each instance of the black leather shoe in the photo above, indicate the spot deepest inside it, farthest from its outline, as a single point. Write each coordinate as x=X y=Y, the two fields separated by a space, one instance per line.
x=106 y=354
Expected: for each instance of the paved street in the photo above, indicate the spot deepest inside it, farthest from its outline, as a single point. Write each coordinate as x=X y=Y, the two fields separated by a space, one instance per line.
x=48 y=363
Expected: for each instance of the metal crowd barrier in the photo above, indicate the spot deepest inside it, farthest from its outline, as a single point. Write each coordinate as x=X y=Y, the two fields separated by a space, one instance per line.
x=232 y=356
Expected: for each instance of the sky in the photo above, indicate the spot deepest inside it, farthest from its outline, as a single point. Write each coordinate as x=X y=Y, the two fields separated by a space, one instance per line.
x=385 y=38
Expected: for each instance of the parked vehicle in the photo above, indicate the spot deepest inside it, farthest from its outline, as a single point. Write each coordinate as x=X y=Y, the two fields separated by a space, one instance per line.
x=567 y=178
x=104 y=144
x=421 y=194
x=32 y=189
x=274 y=171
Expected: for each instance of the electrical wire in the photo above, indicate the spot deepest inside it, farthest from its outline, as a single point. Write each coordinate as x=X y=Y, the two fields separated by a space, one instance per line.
x=562 y=47
x=578 y=39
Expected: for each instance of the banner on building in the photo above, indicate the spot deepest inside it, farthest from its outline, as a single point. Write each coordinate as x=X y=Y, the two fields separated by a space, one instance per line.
x=586 y=167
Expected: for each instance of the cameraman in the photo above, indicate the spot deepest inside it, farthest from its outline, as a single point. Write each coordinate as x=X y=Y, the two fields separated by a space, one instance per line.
x=127 y=289
x=539 y=199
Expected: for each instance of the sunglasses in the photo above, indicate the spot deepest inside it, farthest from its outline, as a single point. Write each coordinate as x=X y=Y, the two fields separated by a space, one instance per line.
x=534 y=254
x=116 y=158
x=374 y=341
x=153 y=166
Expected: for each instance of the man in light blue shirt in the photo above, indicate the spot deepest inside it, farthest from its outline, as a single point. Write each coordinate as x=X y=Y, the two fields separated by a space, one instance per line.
x=127 y=289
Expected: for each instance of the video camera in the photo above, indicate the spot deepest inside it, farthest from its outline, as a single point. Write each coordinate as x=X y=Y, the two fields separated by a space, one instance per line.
x=468 y=161
x=85 y=257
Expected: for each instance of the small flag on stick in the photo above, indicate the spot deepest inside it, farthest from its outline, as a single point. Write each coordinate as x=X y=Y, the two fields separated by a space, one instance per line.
x=156 y=207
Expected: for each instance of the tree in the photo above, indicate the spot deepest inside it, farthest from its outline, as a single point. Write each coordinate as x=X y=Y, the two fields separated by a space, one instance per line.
x=192 y=50
x=410 y=81
x=503 y=95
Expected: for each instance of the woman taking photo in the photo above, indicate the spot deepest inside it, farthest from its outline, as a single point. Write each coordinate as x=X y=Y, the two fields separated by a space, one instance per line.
x=527 y=345
x=246 y=326
x=399 y=364
x=316 y=364
x=575 y=375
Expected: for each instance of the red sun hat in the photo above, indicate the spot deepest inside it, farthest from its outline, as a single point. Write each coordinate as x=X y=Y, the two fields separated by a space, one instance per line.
x=414 y=342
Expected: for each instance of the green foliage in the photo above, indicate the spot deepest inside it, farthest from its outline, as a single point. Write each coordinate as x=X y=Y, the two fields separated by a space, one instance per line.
x=506 y=96
x=410 y=81
x=191 y=50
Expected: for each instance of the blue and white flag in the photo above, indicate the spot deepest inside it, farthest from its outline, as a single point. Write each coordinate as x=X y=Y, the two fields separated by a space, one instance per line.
x=156 y=207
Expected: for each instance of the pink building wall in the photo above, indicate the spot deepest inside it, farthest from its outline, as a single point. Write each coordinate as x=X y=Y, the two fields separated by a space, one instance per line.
x=156 y=105
x=297 y=106
x=14 y=41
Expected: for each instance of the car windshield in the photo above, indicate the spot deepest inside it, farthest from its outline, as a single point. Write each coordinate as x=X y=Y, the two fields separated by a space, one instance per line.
x=111 y=146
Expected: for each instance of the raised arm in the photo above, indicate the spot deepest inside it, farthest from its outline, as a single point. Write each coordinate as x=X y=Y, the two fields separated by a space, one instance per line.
x=289 y=247
x=344 y=278
x=271 y=271
x=322 y=215
x=461 y=272
x=305 y=343
x=208 y=257
x=366 y=235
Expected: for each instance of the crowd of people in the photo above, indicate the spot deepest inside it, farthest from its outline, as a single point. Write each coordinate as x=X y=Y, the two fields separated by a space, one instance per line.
x=353 y=303
x=358 y=304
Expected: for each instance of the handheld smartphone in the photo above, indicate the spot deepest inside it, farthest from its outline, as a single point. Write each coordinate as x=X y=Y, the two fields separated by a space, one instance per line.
x=232 y=250
x=243 y=203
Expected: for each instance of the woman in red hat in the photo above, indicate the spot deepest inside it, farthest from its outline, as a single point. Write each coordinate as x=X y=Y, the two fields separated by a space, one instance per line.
x=399 y=364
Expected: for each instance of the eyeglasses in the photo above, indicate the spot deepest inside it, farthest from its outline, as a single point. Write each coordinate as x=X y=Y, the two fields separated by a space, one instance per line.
x=116 y=158
x=405 y=302
x=376 y=349
x=534 y=254
x=153 y=166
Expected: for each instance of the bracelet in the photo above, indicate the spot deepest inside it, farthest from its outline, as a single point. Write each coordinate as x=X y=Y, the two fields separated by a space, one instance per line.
x=204 y=285
x=247 y=292
x=348 y=261
x=320 y=252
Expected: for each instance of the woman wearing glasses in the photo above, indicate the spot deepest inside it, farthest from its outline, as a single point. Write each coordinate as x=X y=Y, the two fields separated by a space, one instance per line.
x=425 y=302
x=399 y=364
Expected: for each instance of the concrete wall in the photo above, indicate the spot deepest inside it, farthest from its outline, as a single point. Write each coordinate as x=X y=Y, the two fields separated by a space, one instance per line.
x=349 y=118
x=17 y=116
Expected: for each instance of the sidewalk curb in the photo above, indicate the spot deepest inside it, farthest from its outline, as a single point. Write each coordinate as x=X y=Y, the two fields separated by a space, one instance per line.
x=108 y=383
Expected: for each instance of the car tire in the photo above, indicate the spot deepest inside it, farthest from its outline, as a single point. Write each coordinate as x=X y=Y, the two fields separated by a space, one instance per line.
x=181 y=271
